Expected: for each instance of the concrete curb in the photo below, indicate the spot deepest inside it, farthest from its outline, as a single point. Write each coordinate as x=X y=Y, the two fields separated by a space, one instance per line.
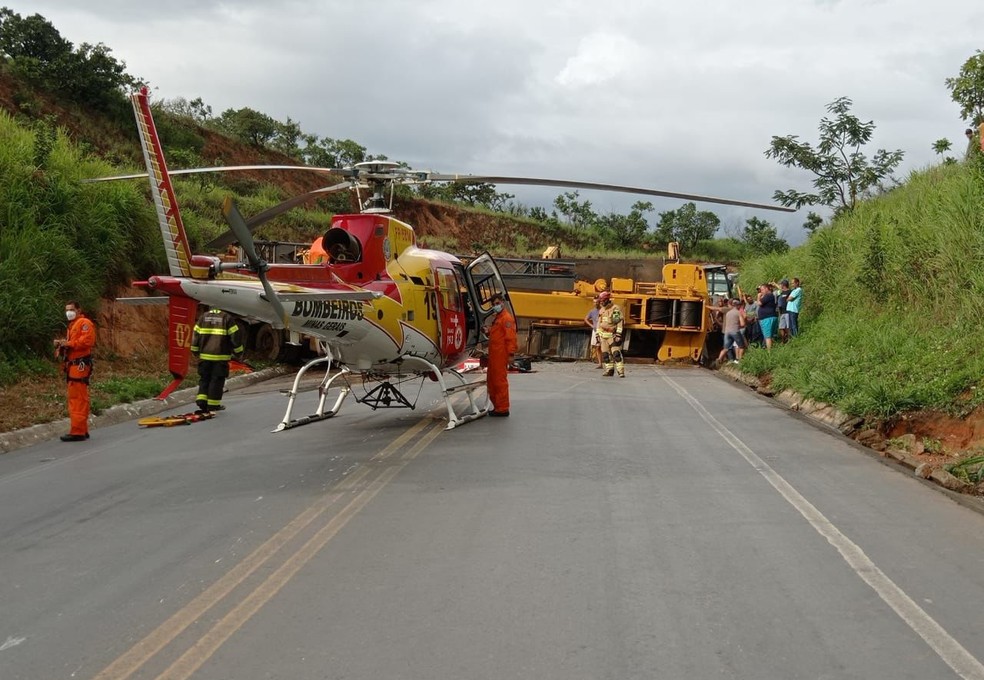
x=10 y=441
x=830 y=417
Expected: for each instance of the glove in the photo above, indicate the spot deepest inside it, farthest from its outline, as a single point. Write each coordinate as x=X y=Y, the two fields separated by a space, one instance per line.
x=617 y=339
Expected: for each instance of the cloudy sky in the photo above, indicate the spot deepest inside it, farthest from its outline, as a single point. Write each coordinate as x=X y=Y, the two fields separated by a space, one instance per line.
x=676 y=96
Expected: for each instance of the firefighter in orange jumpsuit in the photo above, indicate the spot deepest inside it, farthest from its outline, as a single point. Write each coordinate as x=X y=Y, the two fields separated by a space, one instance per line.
x=502 y=347
x=75 y=350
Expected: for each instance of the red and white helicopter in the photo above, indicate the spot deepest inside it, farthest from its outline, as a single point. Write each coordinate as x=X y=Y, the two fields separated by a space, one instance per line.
x=383 y=310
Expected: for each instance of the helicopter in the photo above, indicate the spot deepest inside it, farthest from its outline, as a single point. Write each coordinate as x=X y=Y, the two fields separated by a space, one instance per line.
x=384 y=311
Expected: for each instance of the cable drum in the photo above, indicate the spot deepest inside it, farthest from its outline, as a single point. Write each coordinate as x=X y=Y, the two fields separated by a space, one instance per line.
x=691 y=314
x=660 y=312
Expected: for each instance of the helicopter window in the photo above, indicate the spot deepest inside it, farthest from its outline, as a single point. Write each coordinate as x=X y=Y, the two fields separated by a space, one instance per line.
x=449 y=288
x=486 y=288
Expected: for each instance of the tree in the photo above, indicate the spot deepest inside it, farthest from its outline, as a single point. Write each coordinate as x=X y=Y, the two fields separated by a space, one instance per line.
x=480 y=194
x=195 y=110
x=686 y=226
x=625 y=231
x=540 y=215
x=813 y=222
x=483 y=194
x=200 y=111
x=332 y=153
x=89 y=75
x=761 y=238
x=578 y=213
x=286 y=136
x=31 y=38
x=941 y=146
x=92 y=76
x=247 y=125
x=842 y=172
x=967 y=89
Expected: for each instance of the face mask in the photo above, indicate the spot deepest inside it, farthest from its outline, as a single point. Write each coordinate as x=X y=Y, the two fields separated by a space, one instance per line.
x=497 y=308
x=70 y=315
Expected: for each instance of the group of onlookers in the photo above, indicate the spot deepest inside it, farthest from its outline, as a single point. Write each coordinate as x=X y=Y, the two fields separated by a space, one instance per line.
x=761 y=319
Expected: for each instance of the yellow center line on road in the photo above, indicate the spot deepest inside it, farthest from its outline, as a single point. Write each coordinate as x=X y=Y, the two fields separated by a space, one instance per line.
x=210 y=642
x=140 y=653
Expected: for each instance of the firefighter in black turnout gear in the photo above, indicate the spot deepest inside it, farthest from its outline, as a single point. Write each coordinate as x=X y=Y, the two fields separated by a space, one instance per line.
x=217 y=339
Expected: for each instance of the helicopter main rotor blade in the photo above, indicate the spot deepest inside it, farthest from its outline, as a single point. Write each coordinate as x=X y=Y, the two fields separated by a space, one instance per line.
x=221 y=168
x=533 y=181
x=259 y=265
x=224 y=239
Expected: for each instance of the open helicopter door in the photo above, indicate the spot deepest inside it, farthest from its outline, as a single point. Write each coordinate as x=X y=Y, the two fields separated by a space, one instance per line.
x=483 y=280
x=450 y=314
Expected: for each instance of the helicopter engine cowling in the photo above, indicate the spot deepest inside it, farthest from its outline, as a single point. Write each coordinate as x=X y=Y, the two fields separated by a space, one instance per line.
x=342 y=246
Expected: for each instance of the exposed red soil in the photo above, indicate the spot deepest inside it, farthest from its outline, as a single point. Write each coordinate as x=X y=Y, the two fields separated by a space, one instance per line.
x=953 y=434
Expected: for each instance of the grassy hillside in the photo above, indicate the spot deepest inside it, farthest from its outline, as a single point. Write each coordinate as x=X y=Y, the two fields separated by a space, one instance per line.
x=894 y=298
x=60 y=239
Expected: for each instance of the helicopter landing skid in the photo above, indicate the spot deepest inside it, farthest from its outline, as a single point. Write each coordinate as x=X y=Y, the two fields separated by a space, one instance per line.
x=474 y=412
x=382 y=396
x=321 y=414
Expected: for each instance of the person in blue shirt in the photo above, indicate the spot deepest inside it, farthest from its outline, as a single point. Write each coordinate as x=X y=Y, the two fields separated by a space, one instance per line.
x=767 y=312
x=793 y=303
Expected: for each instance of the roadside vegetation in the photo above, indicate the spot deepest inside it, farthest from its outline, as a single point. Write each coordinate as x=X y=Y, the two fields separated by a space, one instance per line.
x=60 y=239
x=894 y=297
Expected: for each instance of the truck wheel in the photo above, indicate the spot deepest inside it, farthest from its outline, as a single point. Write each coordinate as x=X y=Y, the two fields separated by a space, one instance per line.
x=268 y=342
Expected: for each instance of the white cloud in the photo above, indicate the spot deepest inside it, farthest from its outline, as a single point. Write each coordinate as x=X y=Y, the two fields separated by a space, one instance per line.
x=600 y=57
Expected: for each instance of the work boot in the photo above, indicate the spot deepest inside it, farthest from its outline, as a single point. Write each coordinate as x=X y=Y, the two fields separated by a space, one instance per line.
x=202 y=405
x=74 y=437
x=609 y=372
x=621 y=374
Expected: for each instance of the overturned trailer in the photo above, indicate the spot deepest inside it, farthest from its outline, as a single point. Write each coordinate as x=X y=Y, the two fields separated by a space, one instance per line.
x=669 y=320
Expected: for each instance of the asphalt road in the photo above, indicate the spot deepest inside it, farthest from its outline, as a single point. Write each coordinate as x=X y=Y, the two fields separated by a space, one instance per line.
x=668 y=525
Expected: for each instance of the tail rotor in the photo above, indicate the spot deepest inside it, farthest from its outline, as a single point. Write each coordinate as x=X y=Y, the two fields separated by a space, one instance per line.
x=238 y=225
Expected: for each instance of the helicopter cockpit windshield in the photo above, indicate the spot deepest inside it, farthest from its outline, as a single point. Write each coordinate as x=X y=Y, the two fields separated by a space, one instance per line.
x=342 y=246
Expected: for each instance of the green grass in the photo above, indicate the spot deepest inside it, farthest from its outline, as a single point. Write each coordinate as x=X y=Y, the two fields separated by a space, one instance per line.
x=893 y=301
x=970 y=469
x=112 y=391
x=16 y=367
